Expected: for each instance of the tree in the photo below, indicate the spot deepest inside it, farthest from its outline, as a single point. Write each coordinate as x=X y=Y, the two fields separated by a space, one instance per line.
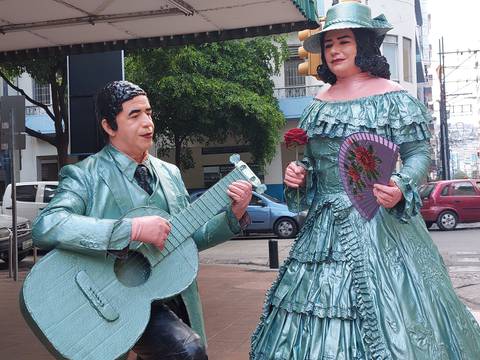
x=460 y=175
x=52 y=71
x=209 y=92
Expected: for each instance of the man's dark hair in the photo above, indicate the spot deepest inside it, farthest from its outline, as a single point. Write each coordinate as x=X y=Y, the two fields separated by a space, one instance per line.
x=109 y=100
x=369 y=58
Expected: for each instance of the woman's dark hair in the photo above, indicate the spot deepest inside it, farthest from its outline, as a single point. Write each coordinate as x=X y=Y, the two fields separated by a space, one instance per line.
x=368 y=59
x=109 y=100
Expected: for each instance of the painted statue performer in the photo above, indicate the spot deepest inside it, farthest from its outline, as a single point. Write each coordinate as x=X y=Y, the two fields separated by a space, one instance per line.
x=85 y=214
x=352 y=288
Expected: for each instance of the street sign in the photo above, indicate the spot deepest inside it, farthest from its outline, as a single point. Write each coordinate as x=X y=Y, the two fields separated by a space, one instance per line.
x=12 y=119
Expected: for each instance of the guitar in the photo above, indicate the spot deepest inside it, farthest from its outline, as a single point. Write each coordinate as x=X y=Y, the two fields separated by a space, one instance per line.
x=95 y=308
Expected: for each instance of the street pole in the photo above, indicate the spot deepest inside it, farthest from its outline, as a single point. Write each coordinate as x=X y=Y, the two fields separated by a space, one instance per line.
x=12 y=114
x=14 y=243
x=444 y=145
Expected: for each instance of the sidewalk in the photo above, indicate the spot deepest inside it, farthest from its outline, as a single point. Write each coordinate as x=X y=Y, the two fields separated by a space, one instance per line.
x=232 y=297
x=232 y=300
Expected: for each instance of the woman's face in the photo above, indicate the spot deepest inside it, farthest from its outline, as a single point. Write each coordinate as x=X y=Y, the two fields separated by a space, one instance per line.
x=340 y=49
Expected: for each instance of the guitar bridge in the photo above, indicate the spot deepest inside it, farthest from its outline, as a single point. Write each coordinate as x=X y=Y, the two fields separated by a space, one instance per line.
x=95 y=297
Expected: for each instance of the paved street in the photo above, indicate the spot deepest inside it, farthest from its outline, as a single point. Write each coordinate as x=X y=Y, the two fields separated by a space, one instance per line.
x=460 y=250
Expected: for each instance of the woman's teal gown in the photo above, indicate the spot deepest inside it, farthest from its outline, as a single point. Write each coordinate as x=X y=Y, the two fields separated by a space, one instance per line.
x=357 y=289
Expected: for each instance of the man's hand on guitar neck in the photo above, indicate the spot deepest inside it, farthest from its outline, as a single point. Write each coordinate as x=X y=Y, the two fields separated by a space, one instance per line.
x=151 y=229
x=241 y=193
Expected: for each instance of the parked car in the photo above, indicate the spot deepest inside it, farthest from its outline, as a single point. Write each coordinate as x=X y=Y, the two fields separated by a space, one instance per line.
x=450 y=202
x=268 y=215
x=24 y=236
x=31 y=198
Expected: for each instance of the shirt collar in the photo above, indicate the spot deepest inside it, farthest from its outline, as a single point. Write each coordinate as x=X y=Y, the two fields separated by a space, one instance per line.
x=125 y=163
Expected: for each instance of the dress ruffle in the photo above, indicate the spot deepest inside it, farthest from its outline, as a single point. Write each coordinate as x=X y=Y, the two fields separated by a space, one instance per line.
x=327 y=339
x=411 y=203
x=329 y=296
x=294 y=292
x=396 y=115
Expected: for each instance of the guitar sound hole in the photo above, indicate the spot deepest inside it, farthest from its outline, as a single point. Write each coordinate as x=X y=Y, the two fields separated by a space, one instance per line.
x=132 y=271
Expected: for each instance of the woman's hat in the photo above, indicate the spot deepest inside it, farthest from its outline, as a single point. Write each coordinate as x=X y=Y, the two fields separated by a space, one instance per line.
x=349 y=15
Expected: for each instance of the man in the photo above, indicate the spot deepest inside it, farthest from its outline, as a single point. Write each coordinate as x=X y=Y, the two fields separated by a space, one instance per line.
x=86 y=214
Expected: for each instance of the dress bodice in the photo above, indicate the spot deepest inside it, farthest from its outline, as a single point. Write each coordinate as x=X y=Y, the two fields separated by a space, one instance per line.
x=324 y=157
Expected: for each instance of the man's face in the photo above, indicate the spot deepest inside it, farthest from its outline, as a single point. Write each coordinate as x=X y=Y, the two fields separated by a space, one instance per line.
x=134 y=134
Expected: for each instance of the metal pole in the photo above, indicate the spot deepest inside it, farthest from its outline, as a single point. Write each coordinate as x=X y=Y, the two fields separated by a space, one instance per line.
x=14 y=248
x=444 y=146
x=273 y=254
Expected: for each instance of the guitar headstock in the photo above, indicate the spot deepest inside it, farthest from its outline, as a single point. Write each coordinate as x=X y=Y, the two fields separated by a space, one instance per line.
x=248 y=173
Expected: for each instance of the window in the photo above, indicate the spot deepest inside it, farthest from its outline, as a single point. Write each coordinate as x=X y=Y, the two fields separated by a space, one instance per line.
x=41 y=92
x=26 y=193
x=49 y=171
x=256 y=201
x=49 y=192
x=407 y=60
x=390 y=51
x=426 y=190
x=294 y=82
x=444 y=191
x=462 y=189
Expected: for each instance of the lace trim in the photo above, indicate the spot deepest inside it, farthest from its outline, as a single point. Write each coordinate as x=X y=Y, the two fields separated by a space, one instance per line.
x=371 y=333
x=397 y=116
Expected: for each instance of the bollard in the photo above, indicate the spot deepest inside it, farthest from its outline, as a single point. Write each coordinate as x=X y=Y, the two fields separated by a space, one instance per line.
x=273 y=254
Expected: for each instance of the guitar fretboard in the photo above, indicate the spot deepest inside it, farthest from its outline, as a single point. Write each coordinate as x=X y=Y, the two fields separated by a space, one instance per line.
x=185 y=223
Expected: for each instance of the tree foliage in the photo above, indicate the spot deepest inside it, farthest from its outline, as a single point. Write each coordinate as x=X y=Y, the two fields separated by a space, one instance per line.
x=52 y=71
x=209 y=92
x=460 y=175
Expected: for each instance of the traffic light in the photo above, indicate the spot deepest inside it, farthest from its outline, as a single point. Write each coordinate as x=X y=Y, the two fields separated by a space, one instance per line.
x=308 y=67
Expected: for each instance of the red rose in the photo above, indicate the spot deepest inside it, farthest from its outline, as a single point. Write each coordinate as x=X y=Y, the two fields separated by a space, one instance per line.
x=365 y=158
x=353 y=173
x=294 y=137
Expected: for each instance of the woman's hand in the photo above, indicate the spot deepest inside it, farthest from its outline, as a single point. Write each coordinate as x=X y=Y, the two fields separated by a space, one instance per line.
x=294 y=175
x=387 y=195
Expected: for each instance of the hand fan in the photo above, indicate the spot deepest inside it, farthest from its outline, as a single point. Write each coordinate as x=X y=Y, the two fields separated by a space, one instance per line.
x=366 y=159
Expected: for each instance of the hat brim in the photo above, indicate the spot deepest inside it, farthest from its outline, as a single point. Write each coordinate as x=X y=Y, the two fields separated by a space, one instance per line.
x=380 y=27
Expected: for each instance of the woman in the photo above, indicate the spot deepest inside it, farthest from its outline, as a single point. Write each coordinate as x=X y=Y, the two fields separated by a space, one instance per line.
x=352 y=288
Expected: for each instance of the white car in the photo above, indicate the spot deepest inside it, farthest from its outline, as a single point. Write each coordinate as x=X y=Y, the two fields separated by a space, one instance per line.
x=31 y=198
x=24 y=237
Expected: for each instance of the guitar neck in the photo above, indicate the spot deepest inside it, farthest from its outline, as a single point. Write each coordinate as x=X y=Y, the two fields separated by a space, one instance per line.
x=185 y=223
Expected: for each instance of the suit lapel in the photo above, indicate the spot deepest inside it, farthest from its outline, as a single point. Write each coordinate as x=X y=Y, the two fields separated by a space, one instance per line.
x=115 y=181
x=165 y=178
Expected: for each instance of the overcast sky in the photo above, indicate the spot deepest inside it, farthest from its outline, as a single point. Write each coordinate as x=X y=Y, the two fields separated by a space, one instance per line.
x=459 y=25
x=457 y=21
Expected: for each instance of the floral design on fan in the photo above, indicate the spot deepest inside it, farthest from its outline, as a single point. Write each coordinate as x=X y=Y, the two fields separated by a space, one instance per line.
x=362 y=167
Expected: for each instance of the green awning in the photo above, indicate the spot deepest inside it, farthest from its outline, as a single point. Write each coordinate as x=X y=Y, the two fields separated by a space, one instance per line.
x=308 y=8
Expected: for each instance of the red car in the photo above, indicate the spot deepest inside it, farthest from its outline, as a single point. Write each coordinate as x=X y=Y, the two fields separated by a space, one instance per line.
x=449 y=202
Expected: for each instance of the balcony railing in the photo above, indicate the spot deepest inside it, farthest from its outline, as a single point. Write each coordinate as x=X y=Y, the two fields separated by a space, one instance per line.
x=34 y=110
x=296 y=91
